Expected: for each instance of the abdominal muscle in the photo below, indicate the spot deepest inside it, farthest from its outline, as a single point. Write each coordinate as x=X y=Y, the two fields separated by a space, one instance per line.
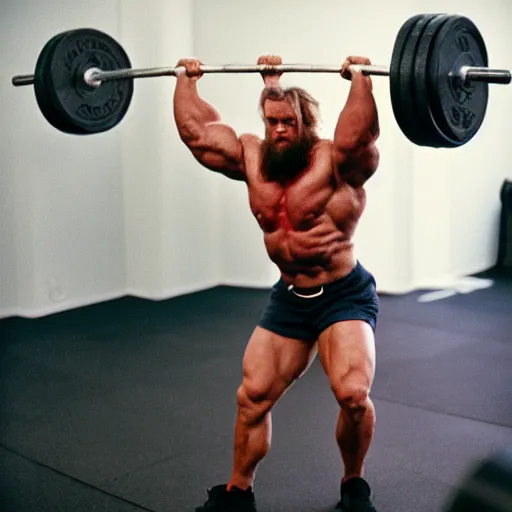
x=309 y=257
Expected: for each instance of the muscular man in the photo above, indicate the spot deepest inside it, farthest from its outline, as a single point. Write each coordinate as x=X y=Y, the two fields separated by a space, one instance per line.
x=307 y=195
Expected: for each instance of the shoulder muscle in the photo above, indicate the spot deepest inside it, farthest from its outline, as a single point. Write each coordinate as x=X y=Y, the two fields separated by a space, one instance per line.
x=220 y=150
x=357 y=166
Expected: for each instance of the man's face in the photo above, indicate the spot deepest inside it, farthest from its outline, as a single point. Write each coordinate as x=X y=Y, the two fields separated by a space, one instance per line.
x=280 y=124
x=284 y=154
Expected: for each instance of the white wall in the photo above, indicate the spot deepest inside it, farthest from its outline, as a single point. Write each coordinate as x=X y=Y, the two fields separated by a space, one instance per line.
x=425 y=220
x=465 y=221
x=170 y=203
x=84 y=219
x=62 y=240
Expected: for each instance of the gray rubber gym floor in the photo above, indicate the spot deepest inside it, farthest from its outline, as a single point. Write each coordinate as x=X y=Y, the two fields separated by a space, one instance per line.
x=129 y=405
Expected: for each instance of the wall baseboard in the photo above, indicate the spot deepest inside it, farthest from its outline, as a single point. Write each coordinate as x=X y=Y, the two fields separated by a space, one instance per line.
x=104 y=297
x=8 y=312
x=257 y=285
x=62 y=306
x=171 y=293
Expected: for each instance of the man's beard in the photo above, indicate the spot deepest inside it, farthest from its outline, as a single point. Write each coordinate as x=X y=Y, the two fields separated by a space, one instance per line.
x=285 y=164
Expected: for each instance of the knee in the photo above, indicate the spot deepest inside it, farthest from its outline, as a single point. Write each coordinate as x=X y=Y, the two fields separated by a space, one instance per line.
x=254 y=401
x=351 y=396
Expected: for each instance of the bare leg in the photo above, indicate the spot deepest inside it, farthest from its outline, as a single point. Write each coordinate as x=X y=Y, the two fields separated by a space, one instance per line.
x=252 y=443
x=271 y=365
x=354 y=434
x=347 y=352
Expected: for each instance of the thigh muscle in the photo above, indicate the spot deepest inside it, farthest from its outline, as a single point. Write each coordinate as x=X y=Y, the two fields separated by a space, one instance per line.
x=272 y=363
x=347 y=354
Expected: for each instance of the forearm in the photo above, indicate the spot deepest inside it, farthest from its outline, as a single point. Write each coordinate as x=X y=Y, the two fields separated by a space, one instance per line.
x=191 y=113
x=358 y=123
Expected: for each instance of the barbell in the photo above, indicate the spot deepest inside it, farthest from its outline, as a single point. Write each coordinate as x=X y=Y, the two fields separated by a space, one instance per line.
x=439 y=77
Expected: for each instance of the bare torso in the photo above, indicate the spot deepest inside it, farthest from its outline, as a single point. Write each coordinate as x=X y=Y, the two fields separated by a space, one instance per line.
x=308 y=225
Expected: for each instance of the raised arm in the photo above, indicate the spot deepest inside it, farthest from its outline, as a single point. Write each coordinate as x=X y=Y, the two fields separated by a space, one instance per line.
x=214 y=144
x=355 y=154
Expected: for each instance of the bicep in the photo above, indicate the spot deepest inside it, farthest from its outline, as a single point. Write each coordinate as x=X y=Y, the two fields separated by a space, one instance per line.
x=219 y=149
x=358 y=165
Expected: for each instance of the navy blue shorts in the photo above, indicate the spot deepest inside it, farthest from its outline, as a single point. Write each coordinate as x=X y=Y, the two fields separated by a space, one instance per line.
x=305 y=313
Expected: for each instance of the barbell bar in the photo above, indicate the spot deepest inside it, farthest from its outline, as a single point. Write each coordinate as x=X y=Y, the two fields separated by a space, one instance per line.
x=95 y=76
x=479 y=74
x=439 y=77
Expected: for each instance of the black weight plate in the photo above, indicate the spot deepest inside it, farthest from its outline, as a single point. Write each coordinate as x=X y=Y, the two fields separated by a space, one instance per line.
x=42 y=92
x=402 y=78
x=416 y=132
x=90 y=109
x=401 y=115
x=434 y=136
x=487 y=488
x=458 y=108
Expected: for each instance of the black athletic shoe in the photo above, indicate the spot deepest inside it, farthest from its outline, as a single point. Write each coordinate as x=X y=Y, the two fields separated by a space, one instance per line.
x=235 y=500
x=356 y=496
